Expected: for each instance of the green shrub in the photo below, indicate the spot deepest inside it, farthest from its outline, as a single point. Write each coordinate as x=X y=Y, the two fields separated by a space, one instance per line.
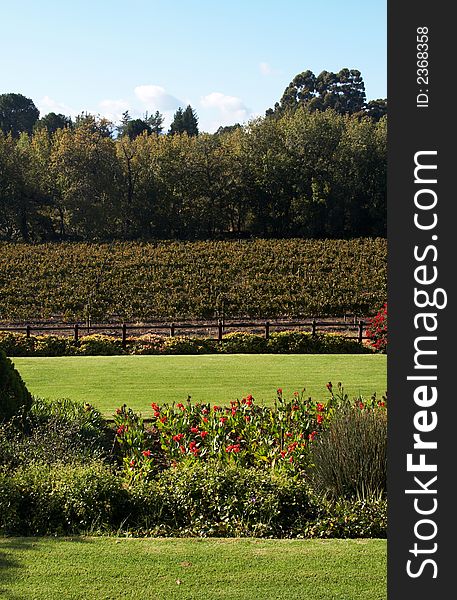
x=303 y=342
x=187 y=345
x=16 y=344
x=350 y=456
x=342 y=518
x=298 y=342
x=54 y=431
x=188 y=500
x=61 y=499
x=14 y=396
x=53 y=345
x=221 y=500
x=243 y=343
x=99 y=345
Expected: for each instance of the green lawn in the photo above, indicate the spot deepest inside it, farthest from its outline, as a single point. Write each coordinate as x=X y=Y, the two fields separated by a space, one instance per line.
x=109 y=381
x=187 y=569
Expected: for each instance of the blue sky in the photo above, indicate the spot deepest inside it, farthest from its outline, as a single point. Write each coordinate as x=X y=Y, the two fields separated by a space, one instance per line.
x=229 y=60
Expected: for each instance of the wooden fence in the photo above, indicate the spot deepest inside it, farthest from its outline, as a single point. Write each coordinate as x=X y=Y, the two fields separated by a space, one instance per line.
x=221 y=327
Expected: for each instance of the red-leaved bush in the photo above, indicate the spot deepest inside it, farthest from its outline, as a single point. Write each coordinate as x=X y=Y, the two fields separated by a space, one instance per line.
x=377 y=330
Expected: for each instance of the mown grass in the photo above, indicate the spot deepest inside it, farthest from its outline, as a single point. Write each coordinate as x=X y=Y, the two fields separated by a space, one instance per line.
x=109 y=381
x=188 y=569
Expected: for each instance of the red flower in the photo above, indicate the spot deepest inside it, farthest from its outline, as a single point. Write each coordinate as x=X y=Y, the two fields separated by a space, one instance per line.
x=381 y=403
x=247 y=418
x=155 y=406
x=121 y=430
x=320 y=418
x=279 y=391
x=181 y=406
x=132 y=462
x=146 y=453
x=216 y=408
x=205 y=411
x=203 y=434
x=320 y=407
x=283 y=453
x=205 y=419
x=194 y=429
x=183 y=450
x=249 y=398
x=288 y=434
x=156 y=414
x=312 y=435
x=222 y=420
x=178 y=437
x=361 y=405
x=163 y=419
x=233 y=448
x=295 y=407
x=329 y=386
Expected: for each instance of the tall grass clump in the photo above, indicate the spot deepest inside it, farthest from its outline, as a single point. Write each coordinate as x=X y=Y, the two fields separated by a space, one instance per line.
x=350 y=456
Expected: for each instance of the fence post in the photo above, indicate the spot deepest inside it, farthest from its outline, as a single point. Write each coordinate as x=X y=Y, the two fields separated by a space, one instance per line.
x=267 y=330
x=313 y=331
x=360 y=331
x=27 y=331
x=220 y=330
x=124 y=335
x=76 y=332
x=172 y=330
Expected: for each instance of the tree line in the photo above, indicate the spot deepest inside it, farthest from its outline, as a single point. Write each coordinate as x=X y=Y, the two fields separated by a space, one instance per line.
x=314 y=166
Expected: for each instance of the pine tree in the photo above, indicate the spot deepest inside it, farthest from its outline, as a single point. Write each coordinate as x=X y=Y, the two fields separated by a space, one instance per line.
x=190 y=121
x=185 y=122
x=177 y=125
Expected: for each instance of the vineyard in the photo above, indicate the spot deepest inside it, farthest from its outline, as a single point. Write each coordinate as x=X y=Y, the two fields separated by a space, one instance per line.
x=192 y=280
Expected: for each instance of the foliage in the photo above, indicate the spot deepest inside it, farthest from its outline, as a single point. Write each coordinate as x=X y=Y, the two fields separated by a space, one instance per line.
x=344 y=92
x=243 y=433
x=14 y=396
x=377 y=330
x=40 y=500
x=198 y=499
x=236 y=342
x=172 y=280
x=355 y=518
x=99 y=345
x=57 y=431
x=211 y=499
x=248 y=475
x=350 y=457
x=18 y=114
x=315 y=174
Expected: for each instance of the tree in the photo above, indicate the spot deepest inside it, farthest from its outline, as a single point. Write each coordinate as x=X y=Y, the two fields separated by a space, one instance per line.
x=185 y=122
x=52 y=122
x=177 y=125
x=136 y=127
x=155 y=122
x=376 y=109
x=344 y=92
x=95 y=124
x=190 y=121
x=17 y=114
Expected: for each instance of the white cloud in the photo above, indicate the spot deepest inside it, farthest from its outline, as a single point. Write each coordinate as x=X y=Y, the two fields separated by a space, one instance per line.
x=47 y=105
x=265 y=69
x=230 y=109
x=155 y=97
x=113 y=109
